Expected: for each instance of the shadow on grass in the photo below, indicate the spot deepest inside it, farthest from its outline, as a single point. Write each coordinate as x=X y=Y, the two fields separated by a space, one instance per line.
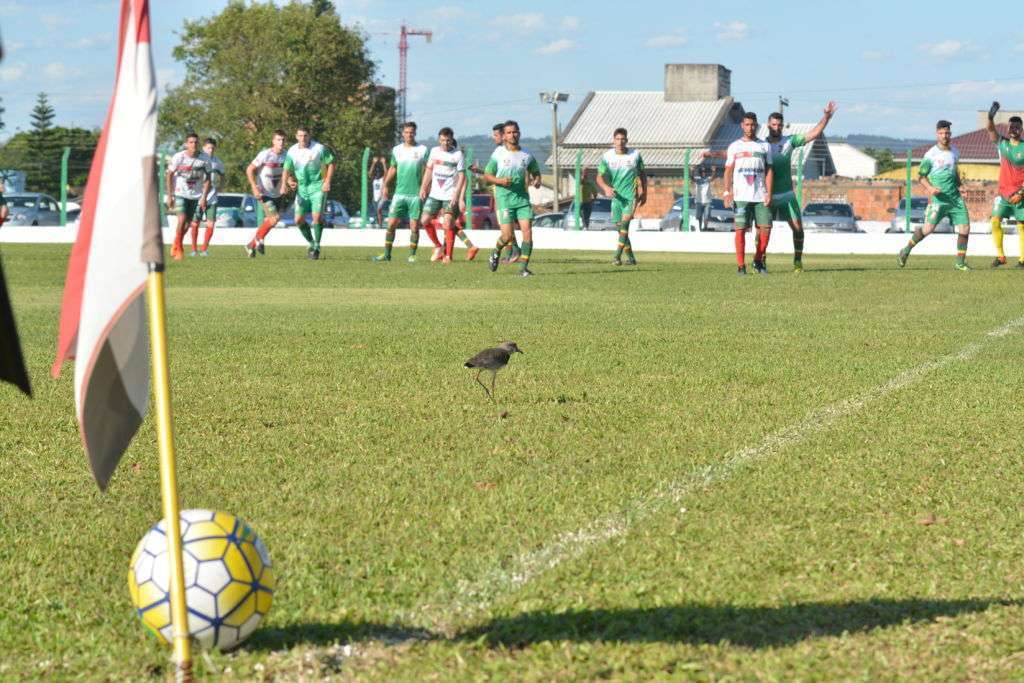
x=320 y=633
x=753 y=627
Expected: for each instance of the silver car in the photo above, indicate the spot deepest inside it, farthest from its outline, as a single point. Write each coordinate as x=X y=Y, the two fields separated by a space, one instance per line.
x=829 y=217
x=236 y=210
x=600 y=216
x=917 y=207
x=720 y=219
x=32 y=208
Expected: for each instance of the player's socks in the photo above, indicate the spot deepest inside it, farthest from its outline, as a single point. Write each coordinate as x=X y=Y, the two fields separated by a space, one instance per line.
x=431 y=229
x=207 y=236
x=194 y=234
x=318 y=231
x=414 y=240
x=264 y=228
x=524 y=255
x=762 y=244
x=997 y=237
x=741 y=248
x=449 y=242
x=798 y=246
x=492 y=262
x=961 y=248
x=306 y=234
x=389 y=240
x=461 y=234
x=1020 y=242
x=621 y=246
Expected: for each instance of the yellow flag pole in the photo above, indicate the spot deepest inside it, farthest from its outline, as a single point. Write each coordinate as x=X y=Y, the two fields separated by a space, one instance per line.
x=168 y=475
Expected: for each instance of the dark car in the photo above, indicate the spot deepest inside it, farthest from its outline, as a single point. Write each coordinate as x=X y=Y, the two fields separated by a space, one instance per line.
x=829 y=217
x=32 y=208
x=917 y=207
x=720 y=219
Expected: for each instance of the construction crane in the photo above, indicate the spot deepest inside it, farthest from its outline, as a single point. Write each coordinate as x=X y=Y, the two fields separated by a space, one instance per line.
x=403 y=58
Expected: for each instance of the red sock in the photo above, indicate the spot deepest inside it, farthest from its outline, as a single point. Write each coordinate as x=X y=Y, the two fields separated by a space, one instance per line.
x=207 y=236
x=194 y=234
x=762 y=243
x=741 y=248
x=179 y=237
x=449 y=241
x=264 y=228
x=431 y=229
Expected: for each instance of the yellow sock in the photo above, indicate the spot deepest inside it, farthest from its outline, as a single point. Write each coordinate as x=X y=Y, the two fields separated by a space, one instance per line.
x=1020 y=241
x=997 y=236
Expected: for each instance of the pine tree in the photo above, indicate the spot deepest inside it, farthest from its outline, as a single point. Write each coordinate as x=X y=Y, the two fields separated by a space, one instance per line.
x=42 y=115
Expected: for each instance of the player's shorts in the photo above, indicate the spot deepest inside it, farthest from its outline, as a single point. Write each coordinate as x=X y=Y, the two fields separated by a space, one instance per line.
x=308 y=201
x=1003 y=208
x=405 y=206
x=210 y=214
x=3 y=202
x=514 y=214
x=622 y=207
x=189 y=208
x=752 y=213
x=433 y=207
x=273 y=205
x=937 y=210
x=785 y=207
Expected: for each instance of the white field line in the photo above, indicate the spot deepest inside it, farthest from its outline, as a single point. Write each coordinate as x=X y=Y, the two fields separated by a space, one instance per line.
x=471 y=598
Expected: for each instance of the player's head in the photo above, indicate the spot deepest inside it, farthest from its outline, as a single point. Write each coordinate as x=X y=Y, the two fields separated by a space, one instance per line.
x=277 y=140
x=510 y=133
x=943 y=132
x=749 y=125
x=302 y=136
x=209 y=146
x=775 y=124
x=446 y=138
x=620 y=138
x=409 y=132
x=1015 y=127
x=496 y=132
x=191 y=143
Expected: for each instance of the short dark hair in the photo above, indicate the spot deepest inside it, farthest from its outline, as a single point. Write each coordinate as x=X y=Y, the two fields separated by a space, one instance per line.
x=749 y=115
x=1016 y=119
x=210 y=141
x=409 y=124
x=446 y=131
x=943 y=123
x=620 y=130
x=303 y=127
x=498 y=126
x=280 y=132
x=191 y=135
x=777 y=115
x=508 y=123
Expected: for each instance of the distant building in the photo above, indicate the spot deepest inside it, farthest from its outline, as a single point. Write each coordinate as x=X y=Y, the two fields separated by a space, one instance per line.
x=850 y=162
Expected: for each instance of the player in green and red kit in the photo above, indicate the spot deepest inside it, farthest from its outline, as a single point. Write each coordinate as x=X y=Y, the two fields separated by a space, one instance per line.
x=308 y=168
x=1009 y=201
x=186 y=173
x=749 y=174
x=268 y=189
x=509 y=170
x=785 y=206
x=215 y=172
x=940 y=179
x=408 y=160
x=621 y=177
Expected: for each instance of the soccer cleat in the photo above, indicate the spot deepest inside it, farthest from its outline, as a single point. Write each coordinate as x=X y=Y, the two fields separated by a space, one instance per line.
x=760 y=268
x=998 y=262
x=177 y=254
x=203 y=253
x=315 y=254
x=616 y=261
x=741 y=270
x=381 y=258
x=309 y=253
x=798 y=267
x=193 y=253
x=260 y=247
x=1020 y=265
x=962 y=267
x=250 y=251
x=514 y=256
x=471 y=253
x=492 y=261
x=411 y=259
x=437 y=255
x=446 y=259
x=526 y=272
x=901 y=258
x=631 y=261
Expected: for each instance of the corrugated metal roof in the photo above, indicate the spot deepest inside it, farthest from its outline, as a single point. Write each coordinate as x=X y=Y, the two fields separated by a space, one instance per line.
x=650 y=120
x=974 y=146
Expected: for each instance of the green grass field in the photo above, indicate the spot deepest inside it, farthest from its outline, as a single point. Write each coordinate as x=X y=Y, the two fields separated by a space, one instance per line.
x=687 y=475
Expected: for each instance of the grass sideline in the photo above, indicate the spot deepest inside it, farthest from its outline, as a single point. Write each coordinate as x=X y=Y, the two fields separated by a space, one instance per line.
x=325 y=404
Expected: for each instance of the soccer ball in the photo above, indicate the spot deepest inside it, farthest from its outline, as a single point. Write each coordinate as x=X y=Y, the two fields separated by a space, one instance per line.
x=229 y=583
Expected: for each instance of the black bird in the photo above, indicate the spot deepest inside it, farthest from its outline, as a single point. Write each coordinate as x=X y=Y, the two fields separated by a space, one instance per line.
x=492 y=360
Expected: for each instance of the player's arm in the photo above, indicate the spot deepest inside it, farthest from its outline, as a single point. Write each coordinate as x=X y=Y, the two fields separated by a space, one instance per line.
x=207 y=184
x=769 y=180
x=641 y=197
x=813 y=133
x=327 y=178
x=990 y=125
x=460 y=191
x=727 y=185
x=534 y=170
x=169 y=184
x=288 y=176
x=392 y=170
x=428 y=176
x=929 y=189
x=250 y=173
x=602 y=171
x=490 y=169
x=708 y=154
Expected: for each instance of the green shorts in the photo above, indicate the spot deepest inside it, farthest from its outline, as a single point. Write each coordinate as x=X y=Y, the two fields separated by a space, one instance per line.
x=433 y=207
x=513 y=214
x=1003 y=208
x=308 y=201
x=752 y=213
x=937 y=210
x=273 y=205
x=405 y=206
x=189 y=208
x=622 y=208
x=785 y=207
x=210 y=214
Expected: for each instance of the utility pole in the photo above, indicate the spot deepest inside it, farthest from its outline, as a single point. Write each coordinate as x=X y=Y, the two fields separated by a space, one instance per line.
x=783 y=103
x=553 y=98
x=403 y=57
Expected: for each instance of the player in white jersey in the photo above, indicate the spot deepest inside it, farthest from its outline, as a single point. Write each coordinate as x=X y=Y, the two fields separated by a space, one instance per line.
x=215 y=173
x=748 y=174
x=267 y=187
x=186 y=174
x=444 y=182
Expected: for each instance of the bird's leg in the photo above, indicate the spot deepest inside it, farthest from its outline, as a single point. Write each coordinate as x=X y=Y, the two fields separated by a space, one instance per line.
x=494 y=376
x=477 y=378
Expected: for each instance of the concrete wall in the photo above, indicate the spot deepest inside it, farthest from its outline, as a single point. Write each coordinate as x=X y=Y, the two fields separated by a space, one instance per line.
x=696 y=82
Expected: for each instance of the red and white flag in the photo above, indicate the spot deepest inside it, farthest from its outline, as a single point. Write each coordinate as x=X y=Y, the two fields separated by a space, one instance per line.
x=103 y=318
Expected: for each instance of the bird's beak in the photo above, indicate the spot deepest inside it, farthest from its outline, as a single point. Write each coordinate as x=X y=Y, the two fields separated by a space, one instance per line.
x=519 y=350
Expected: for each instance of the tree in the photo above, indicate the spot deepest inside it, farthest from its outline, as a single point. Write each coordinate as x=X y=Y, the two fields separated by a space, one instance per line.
x=22 y=153
x=257 y=67
x=2 y=112
x=884 y=158
x=42 y=115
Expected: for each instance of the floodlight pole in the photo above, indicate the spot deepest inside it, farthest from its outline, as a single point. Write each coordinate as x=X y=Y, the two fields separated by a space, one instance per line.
x=783 y=103
x=553 y=98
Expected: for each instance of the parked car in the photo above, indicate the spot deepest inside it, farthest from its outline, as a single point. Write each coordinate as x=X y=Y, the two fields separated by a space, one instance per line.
x=485 y=216
x=236 y=210
x=720 y=219
x=600 y=216
x=32 y=208
x=335 y=215
x=917 y=207
x=548 y=220
x=829 y=217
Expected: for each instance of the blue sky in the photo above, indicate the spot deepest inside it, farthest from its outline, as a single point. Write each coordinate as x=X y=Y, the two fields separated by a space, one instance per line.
x=893 y=69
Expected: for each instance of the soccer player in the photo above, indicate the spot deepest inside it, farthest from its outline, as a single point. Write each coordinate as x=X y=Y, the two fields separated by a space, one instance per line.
x=445 y=177
x=268 y=188
x=513 y=247
x=187 y=175
x=509 y=170
x=4 y=209
x=407 y=162
x=621 y=177
x=1011 y=184
x=748 y=173
x=941 y=181
x=215 y=173
x=785 y=206
x=308 y=168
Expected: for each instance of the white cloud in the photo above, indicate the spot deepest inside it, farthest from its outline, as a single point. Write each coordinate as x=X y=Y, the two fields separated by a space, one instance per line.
x=560 y=45
x=52 y=20
x=732 y=30
x=983 y=88
x=12 y=72
x=520 y=22
x=570 y=23
x=872 y=56
x=98 y=40
x=947 y=49
x=666 y=40
x=448 y=12
x=59 y=71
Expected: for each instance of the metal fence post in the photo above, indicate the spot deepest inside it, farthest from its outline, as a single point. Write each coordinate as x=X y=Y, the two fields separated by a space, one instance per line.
x=365 y=175
x=64 y=186
x=468 y=161
x=906 y=208
x=684 y=217
x=800 y=178
x=579 y=188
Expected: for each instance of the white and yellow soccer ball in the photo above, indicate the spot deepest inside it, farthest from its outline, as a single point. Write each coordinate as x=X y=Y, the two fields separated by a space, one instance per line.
x=229 y=582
